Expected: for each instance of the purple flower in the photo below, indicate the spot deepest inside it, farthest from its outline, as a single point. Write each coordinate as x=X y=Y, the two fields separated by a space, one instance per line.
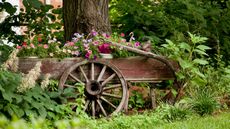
x=104 y=48
x=94 y=33
x=137 y=44
x=90 y=40
x=88 y=54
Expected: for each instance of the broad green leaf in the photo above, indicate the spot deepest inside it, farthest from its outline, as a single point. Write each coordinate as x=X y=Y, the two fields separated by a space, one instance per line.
x=185 y=46
x=200 y=52
x=203 y=47
x=17 y=110
x=169 y=42
x=200 y=61
x=197 y=39
x=185 y=64
x=7 y=96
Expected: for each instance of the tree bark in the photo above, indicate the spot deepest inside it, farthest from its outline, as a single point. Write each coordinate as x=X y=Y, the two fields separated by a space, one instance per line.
x=82 y=16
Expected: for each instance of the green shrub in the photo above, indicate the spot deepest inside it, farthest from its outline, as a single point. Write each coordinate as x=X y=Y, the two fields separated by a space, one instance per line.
x=172 y=113
x=5 y=51
x=34 y=102
x=203 y=102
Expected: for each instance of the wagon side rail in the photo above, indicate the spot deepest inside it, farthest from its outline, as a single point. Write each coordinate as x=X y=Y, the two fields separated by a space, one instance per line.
x=150 y=55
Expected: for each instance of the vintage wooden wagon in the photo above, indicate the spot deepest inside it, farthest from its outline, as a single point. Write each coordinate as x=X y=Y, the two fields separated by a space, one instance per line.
x=105 y=80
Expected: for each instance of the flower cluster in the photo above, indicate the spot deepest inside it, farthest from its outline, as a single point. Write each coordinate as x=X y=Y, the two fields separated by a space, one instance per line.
x=88 y=46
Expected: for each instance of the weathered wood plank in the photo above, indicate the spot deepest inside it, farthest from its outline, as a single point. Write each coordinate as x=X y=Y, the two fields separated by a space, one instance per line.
x=132 y=68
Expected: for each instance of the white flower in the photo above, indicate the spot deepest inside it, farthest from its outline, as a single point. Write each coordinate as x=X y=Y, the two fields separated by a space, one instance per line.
x=29 y=80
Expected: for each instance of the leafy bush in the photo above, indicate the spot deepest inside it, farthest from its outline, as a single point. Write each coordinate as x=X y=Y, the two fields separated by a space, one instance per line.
x=5 y=51
x=35 y=102
x=172 y=113
x=203 y=102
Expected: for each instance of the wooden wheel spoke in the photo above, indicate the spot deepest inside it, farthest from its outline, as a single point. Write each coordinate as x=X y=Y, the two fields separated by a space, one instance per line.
x=107 y=101
x=86 y=105
x=92 y=71
x=112 y=87
x=75 y=78
x=101 y=73
x=102 y=109
x=108 y=79
x=70 y=86
x=93 y=108
x=82 y=71
x=111 y=95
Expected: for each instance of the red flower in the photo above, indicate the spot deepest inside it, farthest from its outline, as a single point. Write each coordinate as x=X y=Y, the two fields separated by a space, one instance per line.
x=122 y=35
x=24 y=44
x=39 y=39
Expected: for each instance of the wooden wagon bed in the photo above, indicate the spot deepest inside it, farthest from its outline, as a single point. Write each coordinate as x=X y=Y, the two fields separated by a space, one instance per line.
x=134 y=69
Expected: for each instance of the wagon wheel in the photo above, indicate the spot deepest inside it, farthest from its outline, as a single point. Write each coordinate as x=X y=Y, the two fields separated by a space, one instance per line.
x=105 y=90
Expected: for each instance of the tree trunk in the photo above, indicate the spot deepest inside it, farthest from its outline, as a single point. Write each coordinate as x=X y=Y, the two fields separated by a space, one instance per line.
x=82 y=16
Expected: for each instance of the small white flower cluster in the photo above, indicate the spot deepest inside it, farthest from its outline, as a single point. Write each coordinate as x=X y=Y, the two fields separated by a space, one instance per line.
x=29 y=80
x=45 y=81
x=12 y=62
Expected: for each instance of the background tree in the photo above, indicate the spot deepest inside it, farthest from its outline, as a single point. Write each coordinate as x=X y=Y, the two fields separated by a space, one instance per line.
x=84 y=15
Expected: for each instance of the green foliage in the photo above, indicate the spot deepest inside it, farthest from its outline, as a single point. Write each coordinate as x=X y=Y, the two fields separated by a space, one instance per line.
x=172 y=19
x=172 y=113
x=192 y=58
x=34 y=102
x=144 y=121
x=203 y=102
x=136 y=101
x=5 y=51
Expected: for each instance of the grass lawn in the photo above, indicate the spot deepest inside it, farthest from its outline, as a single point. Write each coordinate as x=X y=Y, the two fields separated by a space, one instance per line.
x=221 y=121
x=144 y=121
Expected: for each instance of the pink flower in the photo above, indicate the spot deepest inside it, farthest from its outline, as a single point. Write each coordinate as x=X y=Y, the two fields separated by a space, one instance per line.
x=95 y=43
x=87 y=55
x=71 y=43
x=45 y=46
x=86 y=45
x=104 y=48
x=75 y=47
x=137 y=44
x=89 y=51
x=106 y=35
x=122 y=35
x=94 y=33
x=75 y=53
x=32 y=45
x=19 y=47
x=123 y=40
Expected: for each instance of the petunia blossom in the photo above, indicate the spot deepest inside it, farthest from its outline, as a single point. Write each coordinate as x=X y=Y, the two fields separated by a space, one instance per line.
x=94 y=33
x=24 y=44
x=32 y=45
x=45 y=46
x=19 y=47
x=137 y=44
x=122 y=35
x=104 y=48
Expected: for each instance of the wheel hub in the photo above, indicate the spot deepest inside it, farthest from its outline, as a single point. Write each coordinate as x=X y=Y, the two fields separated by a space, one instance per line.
x=93 y=88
